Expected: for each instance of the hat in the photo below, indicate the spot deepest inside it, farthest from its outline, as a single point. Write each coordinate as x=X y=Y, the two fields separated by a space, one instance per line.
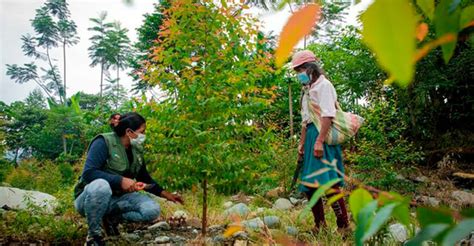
x=302 y=57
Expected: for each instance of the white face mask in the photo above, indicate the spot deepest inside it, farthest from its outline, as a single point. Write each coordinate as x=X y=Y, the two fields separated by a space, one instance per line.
x=139 y=140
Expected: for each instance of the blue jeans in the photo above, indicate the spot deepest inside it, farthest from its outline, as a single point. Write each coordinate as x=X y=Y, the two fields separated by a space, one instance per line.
x=97 y=200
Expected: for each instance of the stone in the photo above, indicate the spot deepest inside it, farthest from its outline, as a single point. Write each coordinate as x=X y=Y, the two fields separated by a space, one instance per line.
x=218 y=239
x=274 y=193
x=294 y=201
x=215 y=228
x=465 y=198
x=282 y=204
x=162 y=239
x=132 y=237
x=291 y=230
x=147 y=236
x=260 y=210
x=228 y=204
x=195 y=231
x=400 y=177
x=178 y=239
x=422 y=179
x=240 y=243
x=272 y=221
x=398 y=232
x=239 y=209
x=240 y=235
x=430 y=201
x=160 y=226
x=25 y=199
x=180 y=214
x=254 y=224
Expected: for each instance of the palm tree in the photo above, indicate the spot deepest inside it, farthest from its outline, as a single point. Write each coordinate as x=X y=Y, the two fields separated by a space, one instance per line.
x=100 y=49
x=121 y=51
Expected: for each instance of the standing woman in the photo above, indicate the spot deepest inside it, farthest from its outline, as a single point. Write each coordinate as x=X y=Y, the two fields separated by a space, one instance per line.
x=107 y=190
x=312 y=144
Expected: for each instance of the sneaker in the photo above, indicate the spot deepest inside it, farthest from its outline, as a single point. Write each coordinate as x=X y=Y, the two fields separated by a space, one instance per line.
x=110 y=224
x=94 y=241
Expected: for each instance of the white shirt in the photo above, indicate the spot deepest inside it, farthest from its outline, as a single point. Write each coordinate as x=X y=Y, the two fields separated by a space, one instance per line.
x=322 y=93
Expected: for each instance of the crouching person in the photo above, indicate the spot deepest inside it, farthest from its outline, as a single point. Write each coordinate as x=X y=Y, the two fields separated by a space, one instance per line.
x=113 y=173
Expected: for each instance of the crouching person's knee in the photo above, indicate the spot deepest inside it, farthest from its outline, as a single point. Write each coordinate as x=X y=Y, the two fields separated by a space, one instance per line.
x=150 y=211
x=99 y=187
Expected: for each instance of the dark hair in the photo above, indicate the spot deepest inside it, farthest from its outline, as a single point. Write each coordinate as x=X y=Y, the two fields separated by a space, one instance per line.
x=131 y=121
x=113 y=115
x=312 y=68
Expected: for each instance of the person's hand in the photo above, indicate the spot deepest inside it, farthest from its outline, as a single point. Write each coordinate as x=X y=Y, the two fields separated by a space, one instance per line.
x=128 y=185
x=318 y=149
x=300 y=149
x=172 y=197
x=139 y=186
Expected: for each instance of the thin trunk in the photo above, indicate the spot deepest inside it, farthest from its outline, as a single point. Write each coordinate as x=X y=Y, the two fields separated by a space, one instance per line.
x=64 y=76
x=118 y=80
x=101 y=78
x=290 y=102
x=204 y=207
x=54 y=74
x=64 y=143
x=16 y=157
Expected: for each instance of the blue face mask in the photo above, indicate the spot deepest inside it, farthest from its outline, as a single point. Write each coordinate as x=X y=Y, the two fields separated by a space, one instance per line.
x=303 y=78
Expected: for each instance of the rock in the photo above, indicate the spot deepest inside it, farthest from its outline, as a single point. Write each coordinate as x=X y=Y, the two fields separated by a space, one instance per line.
x=271 y=222
x=147 y=236
x=180 y=214
x=465 y=198
x=398 y=232
x=25 y=199
x=254 y=224
x=228 y=204
x=195 y=231
x=422 y=179
x=240 y=243
x=215 y=228
x=132 y=237
x=239 y=209
x=195 y=223
x=282 y=204
x=240 y=235
x=162 y=239
x=274 y=193
x=291 y=230
x=260 y=210
x=400 y=177
x=178 y=239
x=218 y=239
x=160 y=226
x=294 y=201
x=430 y=201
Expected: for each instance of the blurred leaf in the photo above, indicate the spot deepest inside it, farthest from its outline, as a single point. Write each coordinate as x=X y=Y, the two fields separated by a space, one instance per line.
x=390 y=36
x=447 y=22
x=458 y=232
x=467 y=17
x=232 y=229
x=299 y=25
x=427 y=233
x=335 y=198
x=364 y=217
x=357 y=200
x=402 y=214
x=423 y=51
x=381 y=217
x=426 y=216
x=421 y=31
x=317 y=195
x=427 y=6
x=468 y=212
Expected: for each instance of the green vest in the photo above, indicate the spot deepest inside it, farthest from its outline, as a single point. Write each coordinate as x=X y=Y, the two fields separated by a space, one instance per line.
x=117 y=161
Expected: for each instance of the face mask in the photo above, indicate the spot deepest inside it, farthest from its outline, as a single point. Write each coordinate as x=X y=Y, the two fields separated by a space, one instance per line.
x=303 y=78
x=139 y=140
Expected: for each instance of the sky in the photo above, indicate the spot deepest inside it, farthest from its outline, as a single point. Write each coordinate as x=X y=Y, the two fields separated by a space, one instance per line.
x=15 y=16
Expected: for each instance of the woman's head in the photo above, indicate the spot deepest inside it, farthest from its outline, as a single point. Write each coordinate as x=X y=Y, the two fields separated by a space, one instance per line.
x=305 y=64
x=130 y=124
x=114 y=120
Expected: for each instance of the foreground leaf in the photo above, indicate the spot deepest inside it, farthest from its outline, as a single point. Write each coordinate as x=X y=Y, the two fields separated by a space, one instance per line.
x=364 y=218
x=427 y=6
x=460 y=231
x=380 y=218
x=467 y=17
x=357 y=200
x=427 y=233
x=317 y=195
x=447 y=22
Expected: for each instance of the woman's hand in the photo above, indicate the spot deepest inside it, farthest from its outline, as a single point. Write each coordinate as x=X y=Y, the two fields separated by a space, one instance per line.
x=173 y=198
x=128 y=185
x=300 y=149
x=318 y=149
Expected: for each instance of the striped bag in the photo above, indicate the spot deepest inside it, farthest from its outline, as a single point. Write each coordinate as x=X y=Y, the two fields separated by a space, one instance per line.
x=344 y=126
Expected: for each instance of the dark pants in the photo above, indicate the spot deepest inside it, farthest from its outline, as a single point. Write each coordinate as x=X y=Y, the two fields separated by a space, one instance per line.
x=339 y=208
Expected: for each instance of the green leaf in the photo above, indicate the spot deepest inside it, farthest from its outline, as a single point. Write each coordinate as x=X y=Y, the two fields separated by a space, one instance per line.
x=317 y=195
x=381 y=217
x=402 y=214
x=467 y=16
x=364 y=217
x=425 y=216
x=427 y=233
x=447 y=21
x=335 y=198
x=427 y=6
x=468 y=212
x=389 y=29
x=458 y=232
x=357 y=200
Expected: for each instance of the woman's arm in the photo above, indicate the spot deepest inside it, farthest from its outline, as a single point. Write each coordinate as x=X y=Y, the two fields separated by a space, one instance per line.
x=156 y=189
x=318 y=146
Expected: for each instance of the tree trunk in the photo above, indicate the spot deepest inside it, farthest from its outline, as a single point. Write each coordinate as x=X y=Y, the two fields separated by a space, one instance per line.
x=54 y=75
x=101 y=78
x=16 y=157
x=64 y=76
x=117 y=88
x=204 y=207
x=64 y=143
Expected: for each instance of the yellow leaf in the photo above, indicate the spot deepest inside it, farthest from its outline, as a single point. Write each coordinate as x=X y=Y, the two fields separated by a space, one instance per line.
x=298 y=26
x=421 y=31
x=232 y=229
x=423 y=51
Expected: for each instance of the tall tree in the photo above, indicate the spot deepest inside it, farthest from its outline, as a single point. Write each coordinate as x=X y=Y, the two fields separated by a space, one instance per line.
x=100 y=49
x=121 y=52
